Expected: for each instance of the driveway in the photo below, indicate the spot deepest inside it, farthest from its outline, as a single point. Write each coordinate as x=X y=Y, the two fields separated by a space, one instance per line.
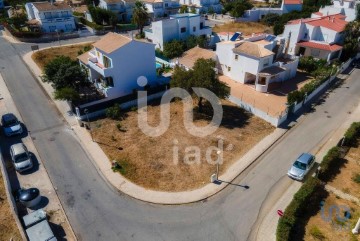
x=98 y=212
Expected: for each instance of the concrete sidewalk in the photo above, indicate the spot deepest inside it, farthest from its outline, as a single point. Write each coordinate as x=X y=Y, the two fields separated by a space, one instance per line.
x=38 y=177
x=103 y=164
x=267 y=228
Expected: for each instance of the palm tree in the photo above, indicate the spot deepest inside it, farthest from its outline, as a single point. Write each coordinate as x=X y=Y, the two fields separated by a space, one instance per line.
x=140 y=15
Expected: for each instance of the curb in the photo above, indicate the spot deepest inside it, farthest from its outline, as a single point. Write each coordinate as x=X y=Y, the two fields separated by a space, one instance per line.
x=157 y=197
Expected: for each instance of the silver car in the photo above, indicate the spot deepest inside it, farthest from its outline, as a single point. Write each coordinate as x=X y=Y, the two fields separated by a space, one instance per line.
x=20 y=157
x=301 y=166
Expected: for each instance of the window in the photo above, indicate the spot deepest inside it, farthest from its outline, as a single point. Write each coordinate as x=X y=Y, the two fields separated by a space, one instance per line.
x=262 y=80
x=52 y=28
x=266 y=62
x=194 y=29
x=106 y=61
x=68 y=26
x=109 y=81
x=236 y=57
x=64 y=14
x=166 y=5
x=305 y=35
x=47 y=15
x=201 y=25
x=183 y=30
x=229 y=68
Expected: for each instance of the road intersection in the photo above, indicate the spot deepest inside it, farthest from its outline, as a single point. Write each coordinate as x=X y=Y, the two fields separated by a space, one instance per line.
x=97 y=211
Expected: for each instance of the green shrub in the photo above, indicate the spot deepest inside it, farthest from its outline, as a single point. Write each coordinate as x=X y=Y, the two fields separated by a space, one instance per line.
x=331 y=157
x=352 y=134
x=113 y=112
x=118 y=126
x=356 y=178
x=307 y=196
x=316 y=233
x=295 y=96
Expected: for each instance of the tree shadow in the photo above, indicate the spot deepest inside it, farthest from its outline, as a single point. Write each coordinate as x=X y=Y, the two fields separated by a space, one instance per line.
x=58 y=231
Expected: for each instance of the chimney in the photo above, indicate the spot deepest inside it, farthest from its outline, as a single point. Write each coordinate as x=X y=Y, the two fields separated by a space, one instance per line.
x=333 y=19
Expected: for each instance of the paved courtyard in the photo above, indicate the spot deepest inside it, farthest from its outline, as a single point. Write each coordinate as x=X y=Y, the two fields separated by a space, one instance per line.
x=273 y=103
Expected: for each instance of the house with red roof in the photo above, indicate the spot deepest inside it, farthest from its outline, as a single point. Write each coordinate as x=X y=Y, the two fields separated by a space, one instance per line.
x=344 y=7
x=320 y=37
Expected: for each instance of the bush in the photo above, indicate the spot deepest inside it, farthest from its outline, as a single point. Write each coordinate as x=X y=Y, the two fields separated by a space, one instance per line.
x=173 y=49
x=118 y=126
x=295 y=97
x=356 y=178
x=113 y=112
x=352 y=134
x=308 y=195
x=316 y=233
x=331 y=157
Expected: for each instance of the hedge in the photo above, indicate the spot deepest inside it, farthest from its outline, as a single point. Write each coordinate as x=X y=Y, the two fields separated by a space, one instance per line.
x=308 y=195
x=352 y=134
x=21 y=34
x=331 y=158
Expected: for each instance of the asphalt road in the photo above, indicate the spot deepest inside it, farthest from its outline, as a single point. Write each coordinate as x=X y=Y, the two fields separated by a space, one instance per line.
x=98 y=212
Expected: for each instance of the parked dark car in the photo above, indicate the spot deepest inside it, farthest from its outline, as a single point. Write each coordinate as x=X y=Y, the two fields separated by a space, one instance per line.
x=11 y=125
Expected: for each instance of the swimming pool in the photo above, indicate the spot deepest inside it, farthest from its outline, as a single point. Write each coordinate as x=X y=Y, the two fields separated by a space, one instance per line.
x=158 y=65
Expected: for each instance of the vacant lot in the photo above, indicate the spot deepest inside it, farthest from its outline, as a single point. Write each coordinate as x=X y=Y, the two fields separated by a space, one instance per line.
x=44 y=56
x=8 y=228
x=319 y=228
x=345 y=181
x=247 y=28
x=149 y=161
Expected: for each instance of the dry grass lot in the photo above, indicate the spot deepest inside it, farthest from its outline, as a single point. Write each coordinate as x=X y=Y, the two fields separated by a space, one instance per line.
x=148 y=161
x=8 y=228
x=247 y=28
x=318 y=229
x=44 y=56
x=344 y=182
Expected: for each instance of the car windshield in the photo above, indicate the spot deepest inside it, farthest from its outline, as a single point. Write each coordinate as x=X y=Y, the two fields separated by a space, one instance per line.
x=10 y=122
x=21 y=157
x=300 y=165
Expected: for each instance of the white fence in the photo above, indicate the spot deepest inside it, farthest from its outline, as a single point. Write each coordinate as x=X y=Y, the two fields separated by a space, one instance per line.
x=275 y=121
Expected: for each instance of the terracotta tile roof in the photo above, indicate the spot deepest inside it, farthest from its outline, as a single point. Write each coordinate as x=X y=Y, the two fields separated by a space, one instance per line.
x=322 y=46
x=84 y=57
x=330 y=22
x=272 y=70
x=47 y=6
x=111 y=42
x=291 y=2
x=189 y=58
x=318 y=13
x=252 y=49
x=334 y=22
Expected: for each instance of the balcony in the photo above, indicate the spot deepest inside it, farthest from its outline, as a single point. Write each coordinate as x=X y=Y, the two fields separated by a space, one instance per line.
x=93 y=63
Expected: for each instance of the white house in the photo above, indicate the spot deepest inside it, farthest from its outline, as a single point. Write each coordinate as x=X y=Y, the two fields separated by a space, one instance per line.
x=320 y=37
x=203 y=6
x=116 y=62
x=50 y=16
x=162 y=8
x=179 y=26
x=344 y=7
x=252 y=61
x=256 y=14
x=122 y=8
